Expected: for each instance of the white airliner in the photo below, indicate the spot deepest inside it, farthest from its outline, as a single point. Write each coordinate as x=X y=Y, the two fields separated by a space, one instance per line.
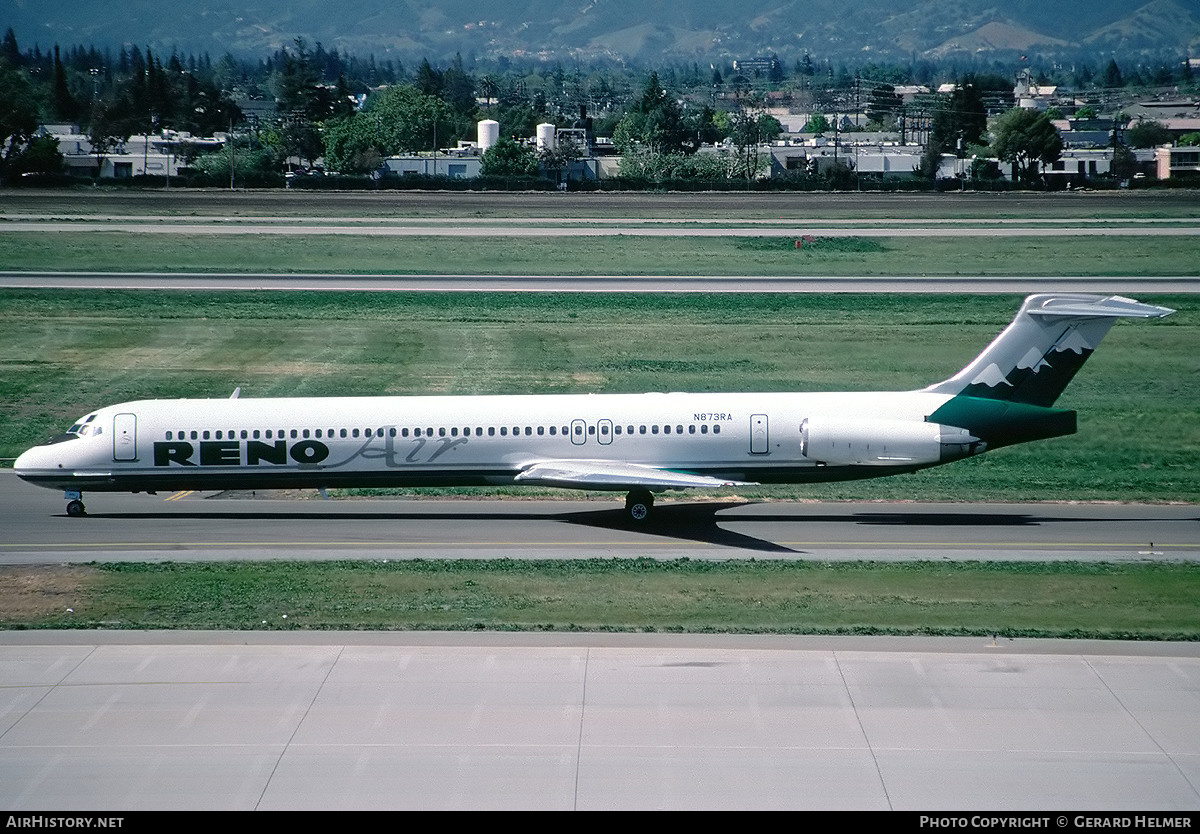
x=634 y=443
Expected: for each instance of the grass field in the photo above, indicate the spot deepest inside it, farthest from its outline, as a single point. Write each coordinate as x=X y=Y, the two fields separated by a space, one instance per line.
x=64 y=352
x=616 y=255
x=1157 y=601
x=192 y=203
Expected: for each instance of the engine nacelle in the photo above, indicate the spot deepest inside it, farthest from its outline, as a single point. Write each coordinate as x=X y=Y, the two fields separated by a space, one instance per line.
x=857 y=442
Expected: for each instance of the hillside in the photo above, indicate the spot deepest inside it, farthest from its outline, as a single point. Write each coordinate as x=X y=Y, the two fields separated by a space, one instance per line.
x=621 y=30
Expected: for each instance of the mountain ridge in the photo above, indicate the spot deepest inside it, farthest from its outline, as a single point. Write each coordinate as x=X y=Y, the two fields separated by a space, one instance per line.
x=622 y=30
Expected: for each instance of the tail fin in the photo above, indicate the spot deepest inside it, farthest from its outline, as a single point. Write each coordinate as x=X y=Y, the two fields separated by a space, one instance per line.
x=1039 y=352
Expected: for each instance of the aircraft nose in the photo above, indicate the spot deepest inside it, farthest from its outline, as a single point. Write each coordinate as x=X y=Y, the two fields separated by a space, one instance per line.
x=24 y=462
x=31 y=461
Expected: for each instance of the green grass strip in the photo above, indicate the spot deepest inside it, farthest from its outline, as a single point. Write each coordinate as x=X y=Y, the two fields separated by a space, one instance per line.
x=1134 y=601
x=767 y=255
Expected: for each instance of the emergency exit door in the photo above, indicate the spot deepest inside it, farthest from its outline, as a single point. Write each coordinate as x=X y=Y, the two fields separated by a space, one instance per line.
x=759 y=441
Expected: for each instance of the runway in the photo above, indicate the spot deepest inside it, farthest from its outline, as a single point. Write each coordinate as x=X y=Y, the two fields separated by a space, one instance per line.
x=206 y=526
x=597 y=283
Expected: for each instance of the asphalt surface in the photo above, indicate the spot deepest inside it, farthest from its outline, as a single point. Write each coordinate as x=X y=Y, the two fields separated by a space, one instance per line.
x=596 y=283
x=208 y=526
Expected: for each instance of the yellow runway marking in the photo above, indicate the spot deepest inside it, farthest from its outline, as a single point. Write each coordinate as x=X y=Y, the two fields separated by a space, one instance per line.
x=182 y=494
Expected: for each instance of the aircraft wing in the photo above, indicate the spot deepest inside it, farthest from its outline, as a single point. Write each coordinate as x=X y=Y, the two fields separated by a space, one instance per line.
x=603 y=474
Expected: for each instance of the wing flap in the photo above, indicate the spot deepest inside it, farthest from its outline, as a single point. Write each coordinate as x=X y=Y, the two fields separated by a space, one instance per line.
x=603 y=474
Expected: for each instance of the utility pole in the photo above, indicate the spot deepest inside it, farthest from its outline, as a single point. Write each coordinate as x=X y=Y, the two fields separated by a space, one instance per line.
x=857 y=80
x=230 y=139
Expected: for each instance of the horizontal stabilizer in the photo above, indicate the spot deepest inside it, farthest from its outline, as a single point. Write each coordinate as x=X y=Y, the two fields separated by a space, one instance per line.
x=614 y=475
x=1114 y=306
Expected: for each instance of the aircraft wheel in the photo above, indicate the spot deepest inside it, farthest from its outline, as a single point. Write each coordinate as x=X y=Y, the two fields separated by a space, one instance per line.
x=75 y=509
x=639 y=504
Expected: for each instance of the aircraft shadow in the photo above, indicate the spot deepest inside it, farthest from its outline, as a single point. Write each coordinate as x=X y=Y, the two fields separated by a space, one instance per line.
x=688 y=522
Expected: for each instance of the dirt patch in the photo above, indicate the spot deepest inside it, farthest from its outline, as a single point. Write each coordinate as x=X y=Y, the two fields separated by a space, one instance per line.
x=33 y=593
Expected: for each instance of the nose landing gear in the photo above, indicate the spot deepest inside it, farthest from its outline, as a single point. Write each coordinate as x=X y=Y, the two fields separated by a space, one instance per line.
x=75 y=507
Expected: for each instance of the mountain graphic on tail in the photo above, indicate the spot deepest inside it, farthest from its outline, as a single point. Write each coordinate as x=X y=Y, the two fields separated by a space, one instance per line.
x=1038 y=354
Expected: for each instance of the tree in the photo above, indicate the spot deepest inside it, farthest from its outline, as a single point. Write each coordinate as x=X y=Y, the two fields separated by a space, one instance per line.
x=18 y=116
x=1146 y=134
x=65 y=106
x=9 y=50
x=507 y=158
x=656 y=122
x=1124 y=163
x=352 y=144
x=960 y=116
x=884 y=104
x=409 y=120
x=1111 y=76
x=818 y=124
x=559 y=158
x=1025 y=138
x=106 y=133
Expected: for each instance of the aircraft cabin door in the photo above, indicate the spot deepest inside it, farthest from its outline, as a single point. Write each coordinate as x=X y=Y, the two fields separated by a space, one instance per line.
x=759 y=440
x=604 y=432
x=578 y=432
x=125 y=437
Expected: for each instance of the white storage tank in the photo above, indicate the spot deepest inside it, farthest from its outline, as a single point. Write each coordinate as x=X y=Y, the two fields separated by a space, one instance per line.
x=488 y=133
x=545 y=136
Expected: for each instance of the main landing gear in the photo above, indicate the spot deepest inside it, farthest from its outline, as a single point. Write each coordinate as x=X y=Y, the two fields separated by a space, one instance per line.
x=639 y=505
x=75 y=507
